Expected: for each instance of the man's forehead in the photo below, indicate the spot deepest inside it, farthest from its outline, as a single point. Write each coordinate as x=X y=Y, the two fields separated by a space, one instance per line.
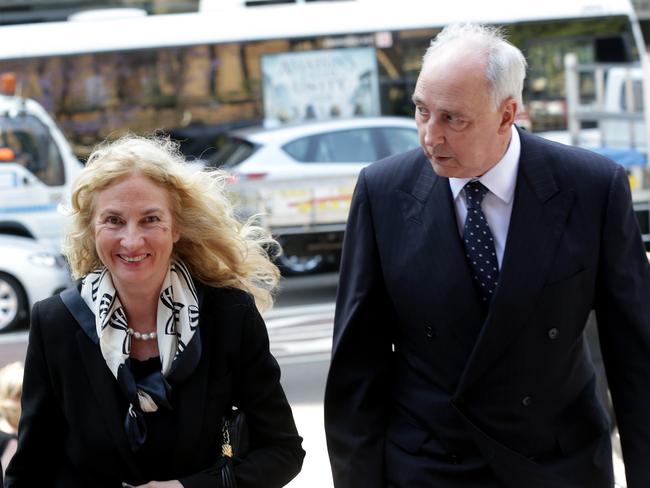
x=459 y=49
x=453 y=74
x=461 y=57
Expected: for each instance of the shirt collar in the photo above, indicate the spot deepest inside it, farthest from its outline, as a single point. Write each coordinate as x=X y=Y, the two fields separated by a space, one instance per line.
x=501 y=178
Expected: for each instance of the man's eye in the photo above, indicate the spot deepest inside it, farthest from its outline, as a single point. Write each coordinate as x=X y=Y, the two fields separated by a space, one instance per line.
x=422 y=110
x=456 y=122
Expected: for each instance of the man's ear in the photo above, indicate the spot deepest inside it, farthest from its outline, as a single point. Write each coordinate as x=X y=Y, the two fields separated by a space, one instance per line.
x=508 y=111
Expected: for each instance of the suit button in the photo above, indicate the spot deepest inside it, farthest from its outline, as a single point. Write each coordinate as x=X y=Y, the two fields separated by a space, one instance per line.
x=553 y=333
x=430 y=333
x=527 y=401
x=454 y=458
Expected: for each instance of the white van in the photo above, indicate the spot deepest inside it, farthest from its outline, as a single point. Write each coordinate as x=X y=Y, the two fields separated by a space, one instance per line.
x=37 y=166
x=624 y=97
x=606 y=113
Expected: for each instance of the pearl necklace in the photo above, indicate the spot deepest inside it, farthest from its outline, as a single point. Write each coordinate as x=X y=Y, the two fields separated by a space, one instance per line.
x=139 y=336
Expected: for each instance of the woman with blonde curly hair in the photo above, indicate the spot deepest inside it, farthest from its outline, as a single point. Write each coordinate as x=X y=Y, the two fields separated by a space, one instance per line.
x=129 y=374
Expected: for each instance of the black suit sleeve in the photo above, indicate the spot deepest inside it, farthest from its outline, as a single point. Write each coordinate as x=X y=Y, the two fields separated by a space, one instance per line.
x=40 y=432
x=623 y=315
x=359 y=381
x=275 y=455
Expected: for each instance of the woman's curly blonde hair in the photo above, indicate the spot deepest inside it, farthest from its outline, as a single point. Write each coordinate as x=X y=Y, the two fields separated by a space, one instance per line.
x=217 y=248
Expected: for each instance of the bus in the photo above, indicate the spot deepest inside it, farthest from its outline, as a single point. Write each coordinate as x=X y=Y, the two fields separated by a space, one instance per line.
x=197 y=75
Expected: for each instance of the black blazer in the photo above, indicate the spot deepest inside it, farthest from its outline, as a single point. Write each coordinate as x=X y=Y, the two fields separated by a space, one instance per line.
x=413 y=391
x=71 y=429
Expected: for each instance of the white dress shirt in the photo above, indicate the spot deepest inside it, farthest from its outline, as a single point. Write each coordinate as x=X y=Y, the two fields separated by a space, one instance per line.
x=497 y=203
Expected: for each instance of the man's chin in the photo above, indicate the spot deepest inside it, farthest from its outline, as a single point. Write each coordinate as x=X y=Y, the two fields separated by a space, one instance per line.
x=445 y=167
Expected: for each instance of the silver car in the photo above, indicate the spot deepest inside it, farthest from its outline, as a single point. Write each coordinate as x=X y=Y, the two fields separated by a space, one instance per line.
x=313 y=149
x=301 y=177
x=29 y=272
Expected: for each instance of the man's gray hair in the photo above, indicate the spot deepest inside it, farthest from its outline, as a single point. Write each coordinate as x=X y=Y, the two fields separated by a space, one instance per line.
x=506 y=65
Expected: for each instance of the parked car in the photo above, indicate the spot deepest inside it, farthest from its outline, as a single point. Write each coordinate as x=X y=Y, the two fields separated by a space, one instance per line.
x=300 y=178
x=319 y=148
x=29 y=272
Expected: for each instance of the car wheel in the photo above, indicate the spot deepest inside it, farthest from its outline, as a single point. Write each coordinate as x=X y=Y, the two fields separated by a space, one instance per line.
x=295 y=265
x=13 y=303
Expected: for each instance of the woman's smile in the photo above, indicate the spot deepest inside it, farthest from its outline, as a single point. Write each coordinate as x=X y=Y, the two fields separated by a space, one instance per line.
x=133 y=259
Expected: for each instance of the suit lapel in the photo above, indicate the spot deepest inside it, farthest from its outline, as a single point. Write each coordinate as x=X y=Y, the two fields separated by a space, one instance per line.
x=106 y=391
x=101 y=380
x=191 y=398
x=539 y=216
x=442 y=271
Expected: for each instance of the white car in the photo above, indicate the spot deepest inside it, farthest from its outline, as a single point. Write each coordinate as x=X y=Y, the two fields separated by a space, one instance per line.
x=29 y=272
x=322 y=148
x=301 y=178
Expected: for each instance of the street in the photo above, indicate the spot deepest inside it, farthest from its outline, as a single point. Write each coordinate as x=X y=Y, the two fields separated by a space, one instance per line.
x=300 y=331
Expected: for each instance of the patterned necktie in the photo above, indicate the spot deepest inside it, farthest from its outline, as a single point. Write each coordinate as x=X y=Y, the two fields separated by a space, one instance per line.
x=479 y=243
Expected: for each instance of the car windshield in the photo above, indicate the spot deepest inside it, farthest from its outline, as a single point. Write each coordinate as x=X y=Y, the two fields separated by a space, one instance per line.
x=26 y=140
x=232 y=152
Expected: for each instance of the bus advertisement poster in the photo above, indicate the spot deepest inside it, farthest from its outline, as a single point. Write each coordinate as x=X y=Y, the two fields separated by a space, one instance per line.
x=321 y=84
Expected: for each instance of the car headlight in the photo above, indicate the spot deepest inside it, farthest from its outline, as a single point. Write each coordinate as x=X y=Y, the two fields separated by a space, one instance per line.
x=47 y=260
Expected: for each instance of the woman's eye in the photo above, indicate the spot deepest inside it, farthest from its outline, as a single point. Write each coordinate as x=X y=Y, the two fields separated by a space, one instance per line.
x=112 y=220
x=150 y=219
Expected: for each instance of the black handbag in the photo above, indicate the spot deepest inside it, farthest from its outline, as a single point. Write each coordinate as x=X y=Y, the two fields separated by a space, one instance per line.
x=234 y=446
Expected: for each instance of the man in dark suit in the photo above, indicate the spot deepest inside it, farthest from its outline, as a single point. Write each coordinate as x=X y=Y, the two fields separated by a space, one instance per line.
x=458 y=356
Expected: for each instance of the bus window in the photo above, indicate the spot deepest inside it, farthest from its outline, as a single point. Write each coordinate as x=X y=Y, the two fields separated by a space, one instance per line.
x=33 y=148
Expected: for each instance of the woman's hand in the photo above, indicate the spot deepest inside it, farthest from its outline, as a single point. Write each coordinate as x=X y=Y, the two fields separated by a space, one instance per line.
x=157 y=484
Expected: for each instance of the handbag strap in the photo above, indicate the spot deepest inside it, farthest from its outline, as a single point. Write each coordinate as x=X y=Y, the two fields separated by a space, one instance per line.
x=226 y=447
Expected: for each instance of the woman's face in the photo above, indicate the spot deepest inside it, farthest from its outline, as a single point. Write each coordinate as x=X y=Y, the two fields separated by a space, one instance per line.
x=134 y=233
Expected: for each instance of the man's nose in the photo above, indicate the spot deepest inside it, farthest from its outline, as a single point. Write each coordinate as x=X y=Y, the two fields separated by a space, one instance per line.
x=433 y=134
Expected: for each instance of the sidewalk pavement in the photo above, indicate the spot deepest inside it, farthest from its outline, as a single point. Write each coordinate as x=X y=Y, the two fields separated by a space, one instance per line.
x=316 y=467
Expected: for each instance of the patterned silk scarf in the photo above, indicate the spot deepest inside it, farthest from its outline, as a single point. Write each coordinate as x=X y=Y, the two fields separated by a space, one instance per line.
x=177 y=320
